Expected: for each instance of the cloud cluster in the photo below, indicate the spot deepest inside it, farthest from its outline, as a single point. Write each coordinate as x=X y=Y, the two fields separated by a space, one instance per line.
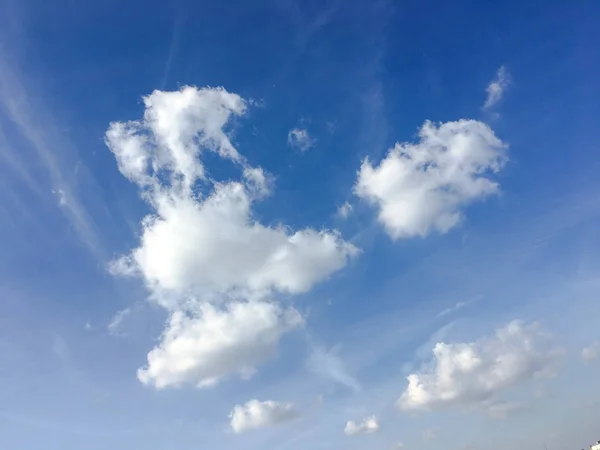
x=368 y=425
x=255 y=414
x=474 y=373
x=204 y=258
x=424 y=186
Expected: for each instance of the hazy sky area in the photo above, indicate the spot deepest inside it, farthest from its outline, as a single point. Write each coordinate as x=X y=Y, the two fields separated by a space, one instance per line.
x=299 y=224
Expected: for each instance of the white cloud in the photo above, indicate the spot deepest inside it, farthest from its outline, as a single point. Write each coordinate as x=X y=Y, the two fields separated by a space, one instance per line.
x=201 y=348
x=345 y=210
x=497 y=87
x=255 y=414
x=175 y=128
x=591 y=353
x=115 y=324
x=471 y=374
x=300 y=139
x=213 y=249
x=204 y=257
x=424 y=186
x=368 y=425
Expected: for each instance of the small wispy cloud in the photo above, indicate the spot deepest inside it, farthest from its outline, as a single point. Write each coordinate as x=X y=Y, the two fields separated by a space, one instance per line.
x=501 y=410
x=430 y=435
x=27 y=117
x=497 y=87
x=591 y=353
x=457 y=307
x=115 y=325
x=300 y=139
x=329 y=365
x=345 y=210
x=62 y=197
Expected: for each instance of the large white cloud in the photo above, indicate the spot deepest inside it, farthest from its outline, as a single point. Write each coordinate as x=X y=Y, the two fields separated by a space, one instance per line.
x=255 y=414
x=204 y=257
x=202 y=348
x=474 y=373
x=424 y=186
x=213 y=248
x=368 y=425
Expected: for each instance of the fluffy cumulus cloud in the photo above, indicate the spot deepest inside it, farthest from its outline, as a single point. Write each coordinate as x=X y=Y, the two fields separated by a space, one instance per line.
x=213 y=248
x=425 y=186
x=204 y=257
x=368 y=425
x=300 y=139
x=204 y=347
x=176 y=127
x=255 y=414
x=495 y=90
x=475 y=373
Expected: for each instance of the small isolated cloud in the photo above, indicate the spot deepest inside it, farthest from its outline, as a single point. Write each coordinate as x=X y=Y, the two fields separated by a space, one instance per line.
x=399 y=445
x=368 y=425
x=62 y=196
x=329 y=365
x=300 y=139
x=255 y=414
x=457 y=307
x=116 y=323
x=474 y=373
x=591 y=353
x=497 y=87
x=345 y=210
x=430 y=435
x=502 y=409
x=422 y=187
x=202 y=348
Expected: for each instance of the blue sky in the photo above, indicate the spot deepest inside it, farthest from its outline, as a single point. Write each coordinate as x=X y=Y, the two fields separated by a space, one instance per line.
x=299 y=224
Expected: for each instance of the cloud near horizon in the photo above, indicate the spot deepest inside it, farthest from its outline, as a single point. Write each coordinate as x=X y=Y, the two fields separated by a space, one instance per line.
x=476 y=373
